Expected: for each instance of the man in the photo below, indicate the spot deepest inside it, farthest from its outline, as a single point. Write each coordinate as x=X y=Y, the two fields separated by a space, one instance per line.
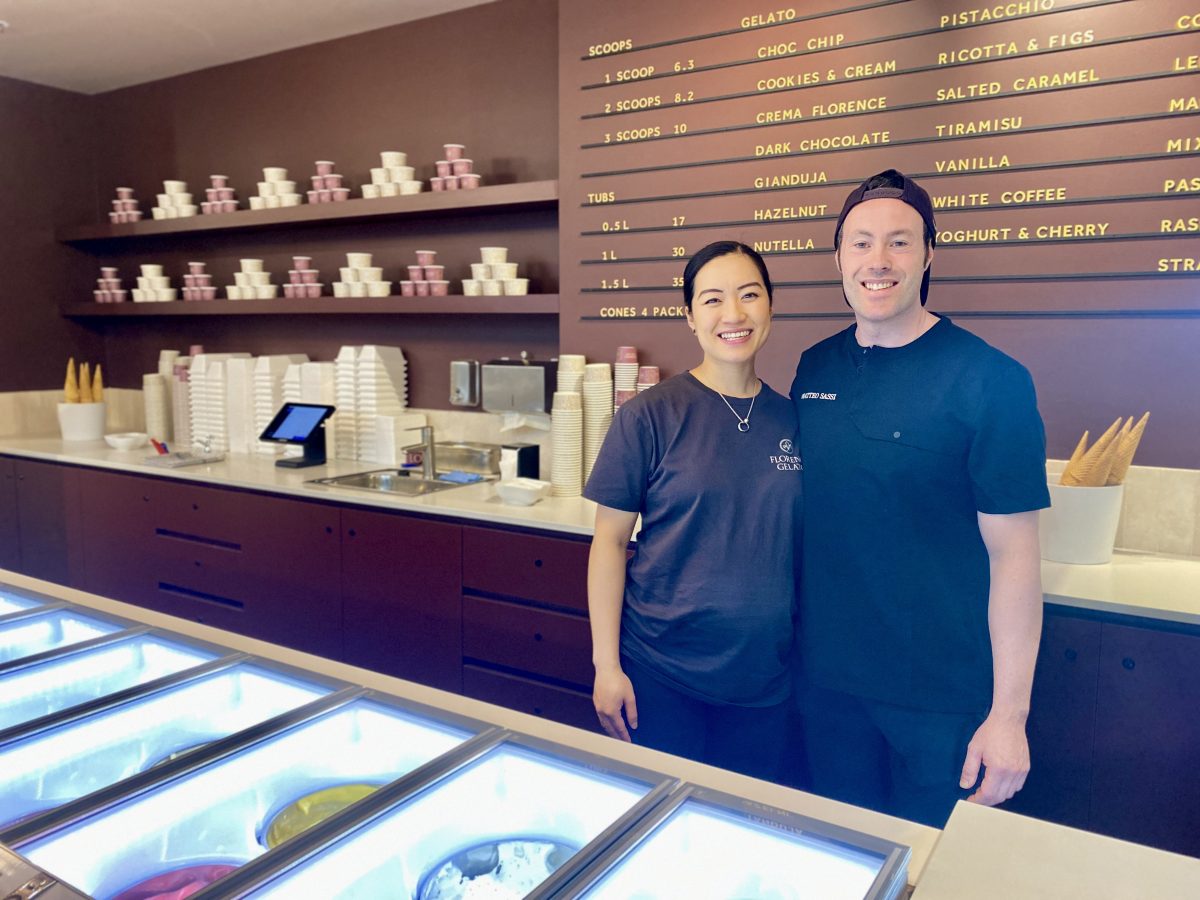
x=924 y=468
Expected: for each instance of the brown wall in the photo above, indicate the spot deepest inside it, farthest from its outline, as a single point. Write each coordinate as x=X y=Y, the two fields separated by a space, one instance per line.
x=1102 y=331
x=46 y=177
x=484 y=77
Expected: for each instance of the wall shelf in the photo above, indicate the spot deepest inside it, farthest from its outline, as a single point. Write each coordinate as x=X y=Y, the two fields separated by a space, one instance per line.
x=455 y=305
x=488 y=199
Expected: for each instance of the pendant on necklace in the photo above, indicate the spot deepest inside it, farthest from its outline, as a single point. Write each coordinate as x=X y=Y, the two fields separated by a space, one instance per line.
x=743 y=425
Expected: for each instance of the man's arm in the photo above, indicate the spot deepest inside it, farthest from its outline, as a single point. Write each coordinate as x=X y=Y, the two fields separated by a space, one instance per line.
x=1015 y=623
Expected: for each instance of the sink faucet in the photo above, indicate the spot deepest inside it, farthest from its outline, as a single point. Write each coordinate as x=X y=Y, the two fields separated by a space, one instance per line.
x=428 y=453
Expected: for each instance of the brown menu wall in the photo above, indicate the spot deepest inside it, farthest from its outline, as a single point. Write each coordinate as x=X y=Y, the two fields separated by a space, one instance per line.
x=1057 y=138
x=46 y=178
x=484 y=77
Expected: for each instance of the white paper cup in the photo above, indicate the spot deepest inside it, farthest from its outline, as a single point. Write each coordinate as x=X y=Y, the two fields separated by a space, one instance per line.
x=289 y=199
x=371 y=191
x=379 y=289
x=1080 y=526
x=491 y=287
x=159 y=282
x=174 y=187
x=258 y=202
x=251 y=265
x=163 y=200
x=341 y=289
x=379 y=175
x=242 y=279
x=493 y=255
x=411 y=187
x=516 y=287
x=471 y=287
x=151 y=271
x=389 y=189
x=370 y=273
x=284 y=187
x=265 y=291
x=81 y=421
x=274 y=201
x=234 y=292
x=400 y=174
x=348 y=273
x=266 y=189
x=258 y=279
x=188 y=211
x=274 y=173
x=167 y=295
x=358 y=260
x=156 y=212
x=504 y=270
x=357 y=288
x=481 y=271
x=391 y=158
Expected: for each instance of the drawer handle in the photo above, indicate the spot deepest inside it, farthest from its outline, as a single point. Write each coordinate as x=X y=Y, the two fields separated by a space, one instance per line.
x=329 y=529
x=352 y=533
x=1071 y=655
x=537 y=635
x=537 y=710
x=196 y=507
x=537 y=563
x=145 y=498
x=1128 y=663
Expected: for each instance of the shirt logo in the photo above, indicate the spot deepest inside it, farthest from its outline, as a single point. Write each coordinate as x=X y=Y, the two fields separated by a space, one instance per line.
x=818 y=395
x=787 y=461
x=785 y=445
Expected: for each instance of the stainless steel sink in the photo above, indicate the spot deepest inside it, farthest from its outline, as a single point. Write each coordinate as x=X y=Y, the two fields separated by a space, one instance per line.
x=389 y=481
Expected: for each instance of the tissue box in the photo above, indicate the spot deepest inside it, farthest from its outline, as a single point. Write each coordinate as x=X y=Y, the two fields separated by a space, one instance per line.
x=523 y=491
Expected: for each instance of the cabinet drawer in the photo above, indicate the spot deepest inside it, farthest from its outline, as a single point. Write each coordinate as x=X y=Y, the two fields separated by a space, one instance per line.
x=554 y=644
x=529 y=696
x=549 y=570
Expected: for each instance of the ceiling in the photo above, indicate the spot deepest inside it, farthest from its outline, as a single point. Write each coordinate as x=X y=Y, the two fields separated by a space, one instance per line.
x=93 y=46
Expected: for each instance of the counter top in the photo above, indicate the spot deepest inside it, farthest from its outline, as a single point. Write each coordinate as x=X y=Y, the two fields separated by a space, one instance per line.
x=986 y=853
x=258 y=472
x=1133 y=584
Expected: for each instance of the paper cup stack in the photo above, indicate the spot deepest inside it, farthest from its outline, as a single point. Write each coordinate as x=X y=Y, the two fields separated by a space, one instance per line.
x=219 y=197
x=175 y=202
x=157 y=405
x=625 y=376
x=275 y=190
x=393 y=178
x=327 y=186
x=303 y=280
x=597 y=411
x=495 y=276
x=153 y=286
x=570 y=372
x=426 y=278
x=566 y=430
x=455 y=172
x=124 y=208
x=197 y=284
x=648 y=377
x=359 y=278
x=251 y=282
x=108 y=287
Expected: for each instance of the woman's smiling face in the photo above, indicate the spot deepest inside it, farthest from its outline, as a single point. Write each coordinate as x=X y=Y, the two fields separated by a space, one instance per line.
x=730 y=312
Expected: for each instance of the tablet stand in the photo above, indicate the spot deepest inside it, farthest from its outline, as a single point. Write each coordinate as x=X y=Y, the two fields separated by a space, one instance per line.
x=314 y=452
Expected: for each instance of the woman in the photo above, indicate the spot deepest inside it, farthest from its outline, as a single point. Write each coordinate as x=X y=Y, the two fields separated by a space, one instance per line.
x=691 y=639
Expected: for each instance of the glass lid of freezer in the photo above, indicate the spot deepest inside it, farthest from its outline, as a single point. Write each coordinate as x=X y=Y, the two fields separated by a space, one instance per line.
x=705 y=850
x=65 y=681
x=49 y=768
x=201 y=825
x=11 y=602
x=497 y=827
x=50 y=630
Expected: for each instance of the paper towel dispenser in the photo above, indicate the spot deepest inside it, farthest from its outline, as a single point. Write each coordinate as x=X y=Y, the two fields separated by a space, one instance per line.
x=519 y=385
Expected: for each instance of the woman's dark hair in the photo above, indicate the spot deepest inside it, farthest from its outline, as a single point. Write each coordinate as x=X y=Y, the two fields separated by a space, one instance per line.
x=705 y=255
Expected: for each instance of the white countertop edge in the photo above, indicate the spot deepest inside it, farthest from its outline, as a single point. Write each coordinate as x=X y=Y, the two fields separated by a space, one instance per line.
x=920 y=838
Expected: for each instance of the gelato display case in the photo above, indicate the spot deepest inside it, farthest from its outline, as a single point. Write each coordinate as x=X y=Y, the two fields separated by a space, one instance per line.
x=61 y=763
x=705 y=845
x=518 y=818
x=11 y=602
x=40 y=630
x=48 y=686
x=198 y=823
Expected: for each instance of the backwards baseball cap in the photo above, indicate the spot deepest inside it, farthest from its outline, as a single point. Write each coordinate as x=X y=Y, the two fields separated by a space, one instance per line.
x=892 y=185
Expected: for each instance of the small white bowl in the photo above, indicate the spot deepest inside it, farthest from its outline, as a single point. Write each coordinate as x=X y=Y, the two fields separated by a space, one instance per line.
x=126 y=440
x=522 y=491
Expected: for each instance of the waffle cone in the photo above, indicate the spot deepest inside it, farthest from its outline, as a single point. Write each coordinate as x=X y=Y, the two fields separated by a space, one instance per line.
x=1092 y=468
x=1126 y=447
x=71 y=384
x=97 y=385
x=1075 y=457
x=85 y=383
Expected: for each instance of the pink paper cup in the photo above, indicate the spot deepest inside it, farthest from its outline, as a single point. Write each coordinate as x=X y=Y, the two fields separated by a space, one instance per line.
x=302 y=262
x=444 y=167
x=324 y=167
x=424 y=258
x=219 y=181
x=451 y=182
x=437 y=183
x=422 y=288
x=454 y=151
x=408 y=289
x=308 y=276
x=332 y=180
x=111 y=271
x=469 y=182
x=433 y=273
x=416 y=273
x=439 y=288
x=124 y=193
x=461 y=167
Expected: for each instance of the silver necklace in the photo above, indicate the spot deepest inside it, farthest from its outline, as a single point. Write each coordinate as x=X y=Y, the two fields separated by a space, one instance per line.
x=743 y=424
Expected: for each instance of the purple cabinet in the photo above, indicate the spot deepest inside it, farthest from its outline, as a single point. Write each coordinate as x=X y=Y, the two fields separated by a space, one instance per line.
x=1062 y=723
x=402 y=596
x=1146 y=781
x=10 y=535
x=41 y=494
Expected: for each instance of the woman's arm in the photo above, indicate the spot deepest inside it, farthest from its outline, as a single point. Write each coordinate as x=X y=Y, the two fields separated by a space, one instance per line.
x=612 y=692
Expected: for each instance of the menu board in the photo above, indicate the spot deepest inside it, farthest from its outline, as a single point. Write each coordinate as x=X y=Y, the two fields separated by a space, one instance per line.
x=1059 y=140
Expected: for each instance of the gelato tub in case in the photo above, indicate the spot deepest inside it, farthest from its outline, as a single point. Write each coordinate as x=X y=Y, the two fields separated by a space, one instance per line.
x=50 y=630
x=68 y=761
